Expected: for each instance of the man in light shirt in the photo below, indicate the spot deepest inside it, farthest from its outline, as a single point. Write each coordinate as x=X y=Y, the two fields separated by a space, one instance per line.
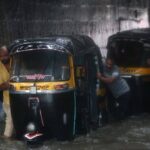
x=4 y=86
x=118 y=87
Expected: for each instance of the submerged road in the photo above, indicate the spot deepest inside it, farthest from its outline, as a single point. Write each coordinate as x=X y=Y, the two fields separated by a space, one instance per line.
x=133 y=133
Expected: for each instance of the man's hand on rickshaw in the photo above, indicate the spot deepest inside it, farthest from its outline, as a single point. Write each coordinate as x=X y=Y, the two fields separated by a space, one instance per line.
x=99 y=75
x=5 y=86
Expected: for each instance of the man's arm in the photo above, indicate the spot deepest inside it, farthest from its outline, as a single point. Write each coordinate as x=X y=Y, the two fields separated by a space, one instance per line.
x=106 y=79
x=4 y=86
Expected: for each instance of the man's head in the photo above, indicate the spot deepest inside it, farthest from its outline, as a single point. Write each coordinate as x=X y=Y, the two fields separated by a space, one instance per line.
x=4 y=55
x=109 y=63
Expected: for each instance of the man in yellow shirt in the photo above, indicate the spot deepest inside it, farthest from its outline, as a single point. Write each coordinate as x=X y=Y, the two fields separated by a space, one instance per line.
x=4 y=85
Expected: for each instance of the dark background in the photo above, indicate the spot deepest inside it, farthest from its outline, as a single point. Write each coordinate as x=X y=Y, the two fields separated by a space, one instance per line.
x=96 y=18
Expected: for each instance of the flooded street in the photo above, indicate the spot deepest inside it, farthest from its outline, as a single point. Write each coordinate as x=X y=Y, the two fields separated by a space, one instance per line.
x=133 y=133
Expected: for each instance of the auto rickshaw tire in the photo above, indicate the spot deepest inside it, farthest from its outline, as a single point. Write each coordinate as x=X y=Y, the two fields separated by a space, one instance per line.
x=70 y=137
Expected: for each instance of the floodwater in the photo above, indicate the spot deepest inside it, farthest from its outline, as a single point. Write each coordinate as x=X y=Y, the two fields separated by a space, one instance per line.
x=133 y=133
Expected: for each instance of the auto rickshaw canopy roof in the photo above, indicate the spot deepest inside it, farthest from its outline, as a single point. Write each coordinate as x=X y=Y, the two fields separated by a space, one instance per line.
x=74 y=44
x=141 y=35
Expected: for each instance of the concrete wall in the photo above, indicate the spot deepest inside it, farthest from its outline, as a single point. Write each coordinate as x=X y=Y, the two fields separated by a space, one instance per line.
x=95 y=18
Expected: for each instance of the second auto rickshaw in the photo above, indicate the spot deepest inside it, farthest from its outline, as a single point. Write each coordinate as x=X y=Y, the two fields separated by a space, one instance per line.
x=131 y=52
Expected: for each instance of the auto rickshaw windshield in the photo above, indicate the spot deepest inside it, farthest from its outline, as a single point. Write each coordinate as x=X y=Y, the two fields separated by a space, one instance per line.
x=40 y=65
x=128 y=53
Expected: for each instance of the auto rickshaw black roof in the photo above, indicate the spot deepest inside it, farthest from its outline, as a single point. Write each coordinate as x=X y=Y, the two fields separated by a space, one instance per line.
x=74 y=44
x=141 y=35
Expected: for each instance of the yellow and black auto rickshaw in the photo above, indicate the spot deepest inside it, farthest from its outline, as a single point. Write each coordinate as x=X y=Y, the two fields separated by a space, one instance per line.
x=131 y=52
x=54 y=87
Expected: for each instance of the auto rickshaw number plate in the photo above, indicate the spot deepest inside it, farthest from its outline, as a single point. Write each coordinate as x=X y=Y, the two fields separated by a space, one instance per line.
x=33 y=90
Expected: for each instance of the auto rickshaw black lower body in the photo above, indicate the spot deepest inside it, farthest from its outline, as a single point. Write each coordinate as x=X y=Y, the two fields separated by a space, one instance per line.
x=140 y=94
x=48 y=115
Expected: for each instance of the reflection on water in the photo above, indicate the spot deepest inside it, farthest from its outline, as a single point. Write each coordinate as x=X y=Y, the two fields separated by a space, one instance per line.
x=133 y=133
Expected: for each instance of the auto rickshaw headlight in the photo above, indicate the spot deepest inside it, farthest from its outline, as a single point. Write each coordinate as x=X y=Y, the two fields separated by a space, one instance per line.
x=31 y=127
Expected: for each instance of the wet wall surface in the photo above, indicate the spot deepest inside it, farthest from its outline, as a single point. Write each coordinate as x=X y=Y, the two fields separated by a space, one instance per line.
x=95 y=18
x=131 y=134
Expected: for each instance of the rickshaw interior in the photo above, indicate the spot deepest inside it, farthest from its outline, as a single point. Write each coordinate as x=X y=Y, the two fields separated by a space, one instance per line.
x=86 y=92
